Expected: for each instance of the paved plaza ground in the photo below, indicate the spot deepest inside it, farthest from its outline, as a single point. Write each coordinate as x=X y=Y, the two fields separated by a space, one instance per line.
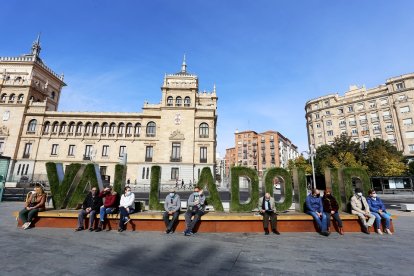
x=50 y=251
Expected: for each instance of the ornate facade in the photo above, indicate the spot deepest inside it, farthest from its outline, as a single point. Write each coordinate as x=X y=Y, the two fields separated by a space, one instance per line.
x=384 y=112
x=178 y=134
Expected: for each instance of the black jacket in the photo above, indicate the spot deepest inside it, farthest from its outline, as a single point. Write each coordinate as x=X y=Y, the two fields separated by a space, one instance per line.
x=92 y=202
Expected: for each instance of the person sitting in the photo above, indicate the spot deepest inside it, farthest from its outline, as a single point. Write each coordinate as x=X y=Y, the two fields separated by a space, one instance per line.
x=314 y=207
x=195 y=207
x=109 y=207
x=331 y=208
x=34 y=204
x=90 y=206
x=360 y=207
x=172 y=207
x=126 y=207
x=267 y=208
x=377 y=208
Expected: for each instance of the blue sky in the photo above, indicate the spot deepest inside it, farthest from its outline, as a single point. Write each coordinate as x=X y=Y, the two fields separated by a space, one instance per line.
x=267 y=58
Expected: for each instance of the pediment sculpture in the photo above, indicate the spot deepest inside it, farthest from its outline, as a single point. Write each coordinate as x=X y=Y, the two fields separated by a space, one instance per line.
x=176 y=135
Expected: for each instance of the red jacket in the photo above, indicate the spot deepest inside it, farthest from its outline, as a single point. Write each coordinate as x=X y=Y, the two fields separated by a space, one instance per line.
x=111 y=201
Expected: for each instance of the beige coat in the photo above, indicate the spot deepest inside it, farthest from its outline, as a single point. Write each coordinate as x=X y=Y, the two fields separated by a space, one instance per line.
x=357 y=205
x=272 y=203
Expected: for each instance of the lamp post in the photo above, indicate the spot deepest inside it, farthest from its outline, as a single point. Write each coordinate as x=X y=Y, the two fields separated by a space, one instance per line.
x=312 y=153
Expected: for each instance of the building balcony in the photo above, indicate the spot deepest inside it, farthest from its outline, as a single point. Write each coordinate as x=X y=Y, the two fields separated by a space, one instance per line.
x=392 y=141
x=363 y=121
x=342 y=125
x=365 y=132
x=128 y=135
x=86 y=157
x=389 y=128
x=375 y=119
x=352 y=123
x=203 y=160
x=136 y=135
x=26 y=155
x=148 y=159
x=377 y=131
x=387 y=117
x=353 y=134
x=150 y=134
x=175 y=159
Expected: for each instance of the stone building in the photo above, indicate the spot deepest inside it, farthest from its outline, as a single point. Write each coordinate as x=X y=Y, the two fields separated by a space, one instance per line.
x=178 y=134
x=384 y=112
x=260 y=151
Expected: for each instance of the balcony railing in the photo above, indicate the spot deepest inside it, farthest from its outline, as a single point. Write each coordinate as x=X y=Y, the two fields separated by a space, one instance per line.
x=342 y=124
x=377 y=130
x=203 y=160
x=374 y=119
x=175 y=159
x=26 y=155
x=148 y=159
x=365 y=132
x=363 y=121
x=387 y=117
x=86 y=157
x=352 y=123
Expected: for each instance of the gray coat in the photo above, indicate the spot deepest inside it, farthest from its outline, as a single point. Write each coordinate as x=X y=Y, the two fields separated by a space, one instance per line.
x=191 y=202
x=175 y=205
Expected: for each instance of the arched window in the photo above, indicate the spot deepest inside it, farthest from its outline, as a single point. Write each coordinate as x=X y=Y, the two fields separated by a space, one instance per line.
x=129 y=129
x=63 y=127
x=12 y=98
x=203 y=130
x=170 y=101
x=178 y=101
x=55 y=127
x=71 y=128
x=88 y=128
x=20 y=98
x=3 y=98
x=79 y=128
x=151 y=129
x=137 y=130
x=46 y=127
x=187 y=101
x=112 y=129
x=121 y=128
x=95 y=129
x=104 y=130
x=53 y=95
x=31 y=127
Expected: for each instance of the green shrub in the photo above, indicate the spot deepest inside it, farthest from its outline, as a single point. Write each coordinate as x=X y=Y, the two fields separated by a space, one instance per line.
x=235 y=205
x=87 y=181
x=270 y=175
x=300 y=188
x=206 y=179
x=154 y=202
x=120 y=176
x=347 y=175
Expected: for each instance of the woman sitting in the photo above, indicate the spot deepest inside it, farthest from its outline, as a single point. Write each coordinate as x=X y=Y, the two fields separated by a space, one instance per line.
x=126 y=207
x=34 y=204
x=377 y=208
x=331 y=207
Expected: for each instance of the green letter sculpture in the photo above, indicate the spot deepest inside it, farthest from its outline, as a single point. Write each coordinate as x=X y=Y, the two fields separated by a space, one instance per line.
x=287 y=187
x=235 y=205
x=206 y=179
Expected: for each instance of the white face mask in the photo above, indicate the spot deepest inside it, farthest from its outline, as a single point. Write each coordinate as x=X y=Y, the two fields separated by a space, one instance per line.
x=374 y=195
x=127 y=193
x=172 y=194
x=359 y=194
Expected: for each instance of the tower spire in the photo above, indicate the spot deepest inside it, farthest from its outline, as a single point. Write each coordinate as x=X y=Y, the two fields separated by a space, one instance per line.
x=36 y=46
x=184 y=66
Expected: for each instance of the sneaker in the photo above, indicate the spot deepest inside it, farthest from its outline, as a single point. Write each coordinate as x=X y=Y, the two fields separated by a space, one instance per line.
x=388 y=231
x=379 y=232
x=127 y=221
x=365 y=230
x=79 y=229
x=275 y=232
x=187 y=233
x=27 y=225
x=120 y=230
x=24 y=225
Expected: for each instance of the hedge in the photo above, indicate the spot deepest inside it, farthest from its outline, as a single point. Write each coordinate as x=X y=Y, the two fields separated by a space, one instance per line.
x=119 y=180
x=347 y=175
x=59 y=190
x=270 y=175
x=87 y=181
x=235 y=205
x=206 y=179
x=154 y=203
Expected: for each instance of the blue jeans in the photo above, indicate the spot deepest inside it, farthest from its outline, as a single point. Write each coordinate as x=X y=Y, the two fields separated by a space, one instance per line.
x=123 y=216
x=385 y=216
x=103 y=211
x=321 y=222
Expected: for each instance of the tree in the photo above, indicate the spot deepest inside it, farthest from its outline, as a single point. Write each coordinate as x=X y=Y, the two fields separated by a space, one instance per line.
x=343 y=146
x=323 y=159
x=411 y=168
x=300 y=162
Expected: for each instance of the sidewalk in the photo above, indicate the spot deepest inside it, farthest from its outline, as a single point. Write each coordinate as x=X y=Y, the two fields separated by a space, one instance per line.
x=47 y=251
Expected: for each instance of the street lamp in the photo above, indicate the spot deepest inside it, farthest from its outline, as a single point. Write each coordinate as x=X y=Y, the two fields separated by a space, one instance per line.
x=312 y=153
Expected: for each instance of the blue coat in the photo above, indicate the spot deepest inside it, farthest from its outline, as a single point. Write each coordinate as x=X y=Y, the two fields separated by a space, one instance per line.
x=375 y=205
x=314 y=204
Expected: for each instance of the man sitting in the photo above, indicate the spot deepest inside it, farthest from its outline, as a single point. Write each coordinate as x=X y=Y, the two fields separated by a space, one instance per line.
x=90 y=206
x=267 y=209
x=172 y=207
x=360 y=207
x=314 y=207
x=195 y=207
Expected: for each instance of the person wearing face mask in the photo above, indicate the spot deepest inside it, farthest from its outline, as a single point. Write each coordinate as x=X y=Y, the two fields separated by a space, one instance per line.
x=90 y=206
x=172 y=207
x=195 y=209
x=331 y=207
x=126 y=207
x=377 y=208
x=314 y=208
x=110 y=205
x=267 y=208
x=35 y=203
x=360 y=207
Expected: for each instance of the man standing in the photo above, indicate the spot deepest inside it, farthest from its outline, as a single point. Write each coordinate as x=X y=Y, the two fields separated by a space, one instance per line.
x=360 y=207
x=314 y=207
x=195 y=207
x=90 y=206
x=267 y=209
x=172 y=207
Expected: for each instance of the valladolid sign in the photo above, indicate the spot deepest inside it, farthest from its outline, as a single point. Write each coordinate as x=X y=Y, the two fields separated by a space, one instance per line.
x=70 y=187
